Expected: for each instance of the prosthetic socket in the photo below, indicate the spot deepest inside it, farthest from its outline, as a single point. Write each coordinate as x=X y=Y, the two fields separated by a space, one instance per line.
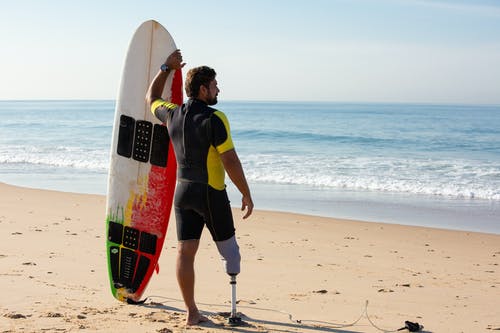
x=230 y=255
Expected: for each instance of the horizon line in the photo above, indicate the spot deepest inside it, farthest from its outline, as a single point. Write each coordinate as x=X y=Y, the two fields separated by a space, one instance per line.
x=268 y=101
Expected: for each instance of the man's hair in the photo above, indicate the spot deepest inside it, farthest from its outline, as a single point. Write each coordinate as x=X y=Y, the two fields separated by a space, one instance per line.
x=197 y=77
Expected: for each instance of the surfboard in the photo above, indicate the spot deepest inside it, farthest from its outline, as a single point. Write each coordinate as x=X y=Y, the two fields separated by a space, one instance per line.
x=142 y=171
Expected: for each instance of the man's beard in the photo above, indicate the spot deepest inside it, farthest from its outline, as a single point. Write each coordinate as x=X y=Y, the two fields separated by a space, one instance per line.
x=212 y=101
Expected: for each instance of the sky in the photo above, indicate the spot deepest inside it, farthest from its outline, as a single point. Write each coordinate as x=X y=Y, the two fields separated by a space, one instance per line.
x=415 y=51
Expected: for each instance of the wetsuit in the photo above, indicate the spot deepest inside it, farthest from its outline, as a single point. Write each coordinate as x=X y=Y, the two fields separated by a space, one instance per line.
x=199 y=135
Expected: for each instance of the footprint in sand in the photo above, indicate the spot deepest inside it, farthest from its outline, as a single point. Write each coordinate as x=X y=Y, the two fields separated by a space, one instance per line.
x=246 y=301
x=29 y=263
x=324 y=291
x=164 y=330
x=296 y=297
x=156 y=317
x=385 y=290
x=14 y=316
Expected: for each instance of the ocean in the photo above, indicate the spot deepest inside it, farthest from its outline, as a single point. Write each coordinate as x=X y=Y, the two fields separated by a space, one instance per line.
x=414 y=164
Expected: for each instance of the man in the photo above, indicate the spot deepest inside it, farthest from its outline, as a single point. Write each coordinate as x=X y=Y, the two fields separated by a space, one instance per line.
x=204 y=151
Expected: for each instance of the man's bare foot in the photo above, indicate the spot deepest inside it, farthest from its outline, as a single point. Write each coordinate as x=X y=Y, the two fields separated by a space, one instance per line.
x=196 y=318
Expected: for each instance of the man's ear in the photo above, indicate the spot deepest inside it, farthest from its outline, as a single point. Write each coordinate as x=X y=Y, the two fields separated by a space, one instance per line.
x=203 y=91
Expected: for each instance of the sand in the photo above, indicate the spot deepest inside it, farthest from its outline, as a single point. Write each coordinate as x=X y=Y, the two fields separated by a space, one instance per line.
x=321 y=271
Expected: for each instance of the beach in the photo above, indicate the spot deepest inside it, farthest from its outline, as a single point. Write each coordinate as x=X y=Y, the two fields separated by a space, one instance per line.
x=323 y=272
x=374 y=177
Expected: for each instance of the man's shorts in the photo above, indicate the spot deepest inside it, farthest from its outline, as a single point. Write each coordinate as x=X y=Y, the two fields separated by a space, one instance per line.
x=197 y=205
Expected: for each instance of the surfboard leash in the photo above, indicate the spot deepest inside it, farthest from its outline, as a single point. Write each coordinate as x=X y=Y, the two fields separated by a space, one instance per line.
x=410 y=326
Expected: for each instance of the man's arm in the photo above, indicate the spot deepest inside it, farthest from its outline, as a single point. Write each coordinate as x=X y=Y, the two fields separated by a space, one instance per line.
x=173 y=62
x=233 y=167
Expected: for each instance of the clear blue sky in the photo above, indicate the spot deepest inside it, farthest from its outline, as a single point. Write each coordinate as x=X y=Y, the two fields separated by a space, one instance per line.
x=316 y=50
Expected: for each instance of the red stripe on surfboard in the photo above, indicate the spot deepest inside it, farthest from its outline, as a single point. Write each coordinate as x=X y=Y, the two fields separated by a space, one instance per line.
x=177 y=88
x=161 y=182
x=154 y=215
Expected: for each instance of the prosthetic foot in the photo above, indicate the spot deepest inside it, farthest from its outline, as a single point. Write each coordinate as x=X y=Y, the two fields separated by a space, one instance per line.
x=233 y=319
x=230 y=255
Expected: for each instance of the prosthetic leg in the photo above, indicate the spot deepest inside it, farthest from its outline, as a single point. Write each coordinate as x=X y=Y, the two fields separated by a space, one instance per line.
x=230 y=255
x=233 y=320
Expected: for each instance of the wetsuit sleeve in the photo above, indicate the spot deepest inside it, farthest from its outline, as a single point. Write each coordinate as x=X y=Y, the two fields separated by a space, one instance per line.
x=161 y=108
x=221 y=133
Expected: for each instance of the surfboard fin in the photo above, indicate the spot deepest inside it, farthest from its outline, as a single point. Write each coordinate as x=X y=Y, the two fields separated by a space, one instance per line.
x=157 y=269
x=131 y=301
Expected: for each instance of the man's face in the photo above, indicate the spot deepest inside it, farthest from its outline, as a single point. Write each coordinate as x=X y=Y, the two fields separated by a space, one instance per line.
x=213 y=91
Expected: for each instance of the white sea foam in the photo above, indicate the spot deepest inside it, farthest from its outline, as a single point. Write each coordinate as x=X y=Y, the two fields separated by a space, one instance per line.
x=59 y=157
x=459 y=179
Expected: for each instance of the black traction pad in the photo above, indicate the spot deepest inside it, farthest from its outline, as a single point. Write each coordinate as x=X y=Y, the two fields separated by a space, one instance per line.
x=115 y=232
x=132 y=238
x=114 y=258
x=142 y=141
x=147 y=243
x=140 y=273
x=128 y=260
x=128 y=266
x=159 y=147
x=126 y=136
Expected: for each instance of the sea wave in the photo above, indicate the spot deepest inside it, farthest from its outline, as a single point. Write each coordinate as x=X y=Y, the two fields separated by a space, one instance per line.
x=58 y=157
x=457 y=179
x=304 y=137
x=462 y=179
x=417 y=149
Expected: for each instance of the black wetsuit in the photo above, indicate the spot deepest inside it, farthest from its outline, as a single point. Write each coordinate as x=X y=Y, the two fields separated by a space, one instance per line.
x=199 y=135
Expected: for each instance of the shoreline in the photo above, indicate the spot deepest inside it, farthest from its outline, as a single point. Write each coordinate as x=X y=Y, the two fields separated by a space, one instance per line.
x=320 y=269
x=379 y=207
x=474 y=215
x=277 y=211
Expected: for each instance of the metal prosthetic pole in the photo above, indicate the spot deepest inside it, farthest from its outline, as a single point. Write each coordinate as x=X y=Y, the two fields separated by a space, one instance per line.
x=233 y=320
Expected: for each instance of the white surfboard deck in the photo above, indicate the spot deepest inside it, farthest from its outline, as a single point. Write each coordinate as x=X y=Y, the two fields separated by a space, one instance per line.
x=141 y=178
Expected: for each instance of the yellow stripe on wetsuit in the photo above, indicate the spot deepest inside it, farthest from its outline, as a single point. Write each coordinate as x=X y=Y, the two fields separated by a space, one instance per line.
x=158 y=103
x=216 y=173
